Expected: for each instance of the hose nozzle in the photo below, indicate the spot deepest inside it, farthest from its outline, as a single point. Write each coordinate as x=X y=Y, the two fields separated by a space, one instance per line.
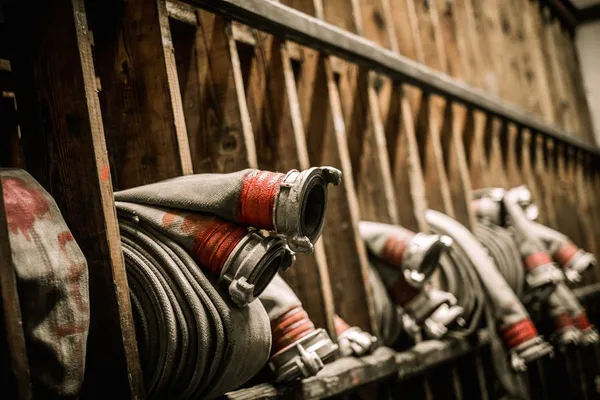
x=300 y=207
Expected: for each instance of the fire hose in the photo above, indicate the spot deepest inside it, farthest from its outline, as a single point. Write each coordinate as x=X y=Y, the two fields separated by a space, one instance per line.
x=196 y=258
x=401 y=264
x=518 y=333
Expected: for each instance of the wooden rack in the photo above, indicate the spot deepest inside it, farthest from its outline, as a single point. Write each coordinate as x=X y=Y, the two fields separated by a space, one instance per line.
x=417 y=102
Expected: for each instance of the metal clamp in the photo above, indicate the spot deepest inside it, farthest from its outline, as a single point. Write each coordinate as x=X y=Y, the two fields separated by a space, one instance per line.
x=529 y=351
x=546 y=274
x=421 y=257
x=252 y=265
x=303 y=358
x=301 y=204
x=356 y=342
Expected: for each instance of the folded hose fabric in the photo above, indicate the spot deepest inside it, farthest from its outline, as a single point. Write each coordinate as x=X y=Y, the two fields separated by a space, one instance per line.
x=197 y=256
x=52 y=281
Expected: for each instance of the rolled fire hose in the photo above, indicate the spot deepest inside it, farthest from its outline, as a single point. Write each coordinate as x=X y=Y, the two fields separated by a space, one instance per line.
x=517 y=330
x=52 y=280
x=405 y=261
x=299 y=349
x=292 y=205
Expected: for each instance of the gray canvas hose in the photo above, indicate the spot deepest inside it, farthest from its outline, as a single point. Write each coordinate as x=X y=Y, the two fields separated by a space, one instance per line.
x=518 y=332
x=192 y=341
x=292 y=205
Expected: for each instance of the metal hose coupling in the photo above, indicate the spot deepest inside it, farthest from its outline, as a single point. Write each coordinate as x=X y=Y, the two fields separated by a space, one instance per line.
x=589 y=334
x=421 y=257
x=573 y=261
x=487 y=204
x=301 y=204
x=352 y=340
x=523 y=343
x=565 y=332
x=434 y=310
x=252 y=264
x=541 y=270
x=299 y=350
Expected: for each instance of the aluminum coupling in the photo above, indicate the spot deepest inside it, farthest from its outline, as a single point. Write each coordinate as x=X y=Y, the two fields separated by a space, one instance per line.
x=421 y=257
x=303 y=358
x=301 y=205
x=529 y=351
x=252 y=265
x=544 y=274
x=423 y=308
x=574 y=265
x=356 y=342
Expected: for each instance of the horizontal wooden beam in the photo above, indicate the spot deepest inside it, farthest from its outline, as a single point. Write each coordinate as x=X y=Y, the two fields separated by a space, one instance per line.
x=287 y=23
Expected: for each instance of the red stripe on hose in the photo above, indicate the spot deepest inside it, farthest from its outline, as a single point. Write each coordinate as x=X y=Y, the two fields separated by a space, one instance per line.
x=257 y=199
x=565 y=253
x=394 y=248
x=518 y=333
x=289 y=328
x=213 y=239
x=534 y=260
x=582 y=322
x=341 y=326
x=562 y=321
x=402 y=293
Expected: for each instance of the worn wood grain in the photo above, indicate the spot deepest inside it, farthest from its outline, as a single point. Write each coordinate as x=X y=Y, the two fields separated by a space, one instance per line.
x=64 y=147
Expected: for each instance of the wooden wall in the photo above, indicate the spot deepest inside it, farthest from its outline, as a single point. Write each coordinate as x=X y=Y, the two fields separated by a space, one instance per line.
x=111 y=95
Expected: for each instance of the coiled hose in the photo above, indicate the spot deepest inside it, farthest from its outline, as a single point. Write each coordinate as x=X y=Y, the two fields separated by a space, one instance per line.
x=195 y=266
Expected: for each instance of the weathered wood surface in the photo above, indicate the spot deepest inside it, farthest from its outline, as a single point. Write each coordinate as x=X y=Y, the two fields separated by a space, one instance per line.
x=64 y=148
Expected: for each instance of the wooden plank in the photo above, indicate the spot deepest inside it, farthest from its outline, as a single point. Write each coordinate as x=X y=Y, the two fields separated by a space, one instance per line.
x=321 y=108
x=284 y=21
x=217 y=120
x=528 y=172
x=140 y=98
x=274 y=111
x=11 y=154
x=544 y=182
x=15 y=379
x=63 y=142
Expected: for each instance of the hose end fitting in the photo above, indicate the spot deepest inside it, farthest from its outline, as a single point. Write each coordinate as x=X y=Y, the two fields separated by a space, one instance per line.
x=252 y=265
x=301 y=204
x=434 y=309
x=353 y=341
x=574 y=261
x=589 y=334
x=303 y=358
x=541 y=270
x=524 y=344
x=442 y=319
x=421 y=257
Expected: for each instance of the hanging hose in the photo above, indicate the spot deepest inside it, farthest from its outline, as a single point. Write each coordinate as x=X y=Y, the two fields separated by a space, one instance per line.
x=517 y=331
x=299 y=349
x=292 y=204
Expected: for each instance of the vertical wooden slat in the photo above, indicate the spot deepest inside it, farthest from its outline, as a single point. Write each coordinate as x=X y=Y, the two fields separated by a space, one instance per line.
x=544 y=182
x=14 y=378
x=63 y=142
x=140 y=97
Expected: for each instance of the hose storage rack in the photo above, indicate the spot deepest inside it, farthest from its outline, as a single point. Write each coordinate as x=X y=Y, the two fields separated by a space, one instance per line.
x=101 y=96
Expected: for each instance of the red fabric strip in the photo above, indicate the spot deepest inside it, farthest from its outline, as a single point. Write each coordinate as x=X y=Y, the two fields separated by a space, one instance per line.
x=562 y=321
x=289 y=328
x=257 y=199
x=394 y=248
x=534 y=260
x=565 y=253
x=518 y=333
x=582 y=322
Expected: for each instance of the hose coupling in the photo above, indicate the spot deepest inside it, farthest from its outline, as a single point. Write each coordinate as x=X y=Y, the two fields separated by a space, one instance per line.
x=433 y=309
x=446 y=316
x=303 y=358
x=356 y=342
x=568 y=336
x=531 y=350
x=542 y=275
x=301 y=204
x=574 y=261
x=589 y=334
x=422 y=255
x=252 y=265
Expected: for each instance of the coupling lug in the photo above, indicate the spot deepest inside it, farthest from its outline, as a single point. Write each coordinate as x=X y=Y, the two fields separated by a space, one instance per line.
x=304 y=357
x=241 y=291
x=356 y=342
x=546 y=274
x=529 y=351
x=438 y=324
